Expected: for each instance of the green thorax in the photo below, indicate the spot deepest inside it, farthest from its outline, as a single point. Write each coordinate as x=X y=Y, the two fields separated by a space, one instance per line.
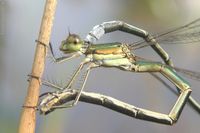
x=105 y=47
x=107 y=51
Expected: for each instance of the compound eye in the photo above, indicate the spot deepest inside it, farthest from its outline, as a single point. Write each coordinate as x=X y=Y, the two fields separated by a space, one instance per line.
x=76 y=41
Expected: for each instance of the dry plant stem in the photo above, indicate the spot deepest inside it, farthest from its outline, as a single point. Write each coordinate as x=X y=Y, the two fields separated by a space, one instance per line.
x=28 y=116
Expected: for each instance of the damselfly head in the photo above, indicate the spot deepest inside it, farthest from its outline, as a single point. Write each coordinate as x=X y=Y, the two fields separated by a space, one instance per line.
x=73 y=43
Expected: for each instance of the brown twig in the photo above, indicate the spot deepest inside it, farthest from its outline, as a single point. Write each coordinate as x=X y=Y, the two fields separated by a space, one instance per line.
x=28 y=116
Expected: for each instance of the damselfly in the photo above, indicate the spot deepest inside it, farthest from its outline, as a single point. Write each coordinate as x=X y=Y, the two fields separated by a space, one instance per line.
x=120 y=55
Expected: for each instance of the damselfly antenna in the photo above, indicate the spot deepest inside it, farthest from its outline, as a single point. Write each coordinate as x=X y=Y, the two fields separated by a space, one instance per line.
x=69 y=33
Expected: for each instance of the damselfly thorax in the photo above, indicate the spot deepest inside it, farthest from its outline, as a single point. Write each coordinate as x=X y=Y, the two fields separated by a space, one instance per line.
x=111 y=55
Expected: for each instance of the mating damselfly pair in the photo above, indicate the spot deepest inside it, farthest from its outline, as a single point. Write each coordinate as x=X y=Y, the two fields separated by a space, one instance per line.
x=121 y=56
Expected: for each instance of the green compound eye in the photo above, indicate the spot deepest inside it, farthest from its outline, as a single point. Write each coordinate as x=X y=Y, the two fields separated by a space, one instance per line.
x=76 y=40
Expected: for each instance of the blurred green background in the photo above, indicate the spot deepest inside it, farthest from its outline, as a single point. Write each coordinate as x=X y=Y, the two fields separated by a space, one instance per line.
x=19 y=27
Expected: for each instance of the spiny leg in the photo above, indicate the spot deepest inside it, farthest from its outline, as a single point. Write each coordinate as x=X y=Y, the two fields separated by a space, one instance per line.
x=74 y=76
x=69 y=85
x=49 y=84
x=184 y=88
x=92 y=65
x=71 y=82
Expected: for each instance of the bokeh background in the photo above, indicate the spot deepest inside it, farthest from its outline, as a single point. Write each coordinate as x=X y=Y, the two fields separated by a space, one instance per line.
x=19 y=27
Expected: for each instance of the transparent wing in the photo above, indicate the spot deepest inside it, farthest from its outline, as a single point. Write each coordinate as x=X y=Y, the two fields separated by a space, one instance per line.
x=186 y=34
x=188 y=73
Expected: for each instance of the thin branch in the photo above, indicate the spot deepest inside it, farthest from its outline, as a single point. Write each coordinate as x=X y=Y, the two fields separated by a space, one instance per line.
x=28 y=116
